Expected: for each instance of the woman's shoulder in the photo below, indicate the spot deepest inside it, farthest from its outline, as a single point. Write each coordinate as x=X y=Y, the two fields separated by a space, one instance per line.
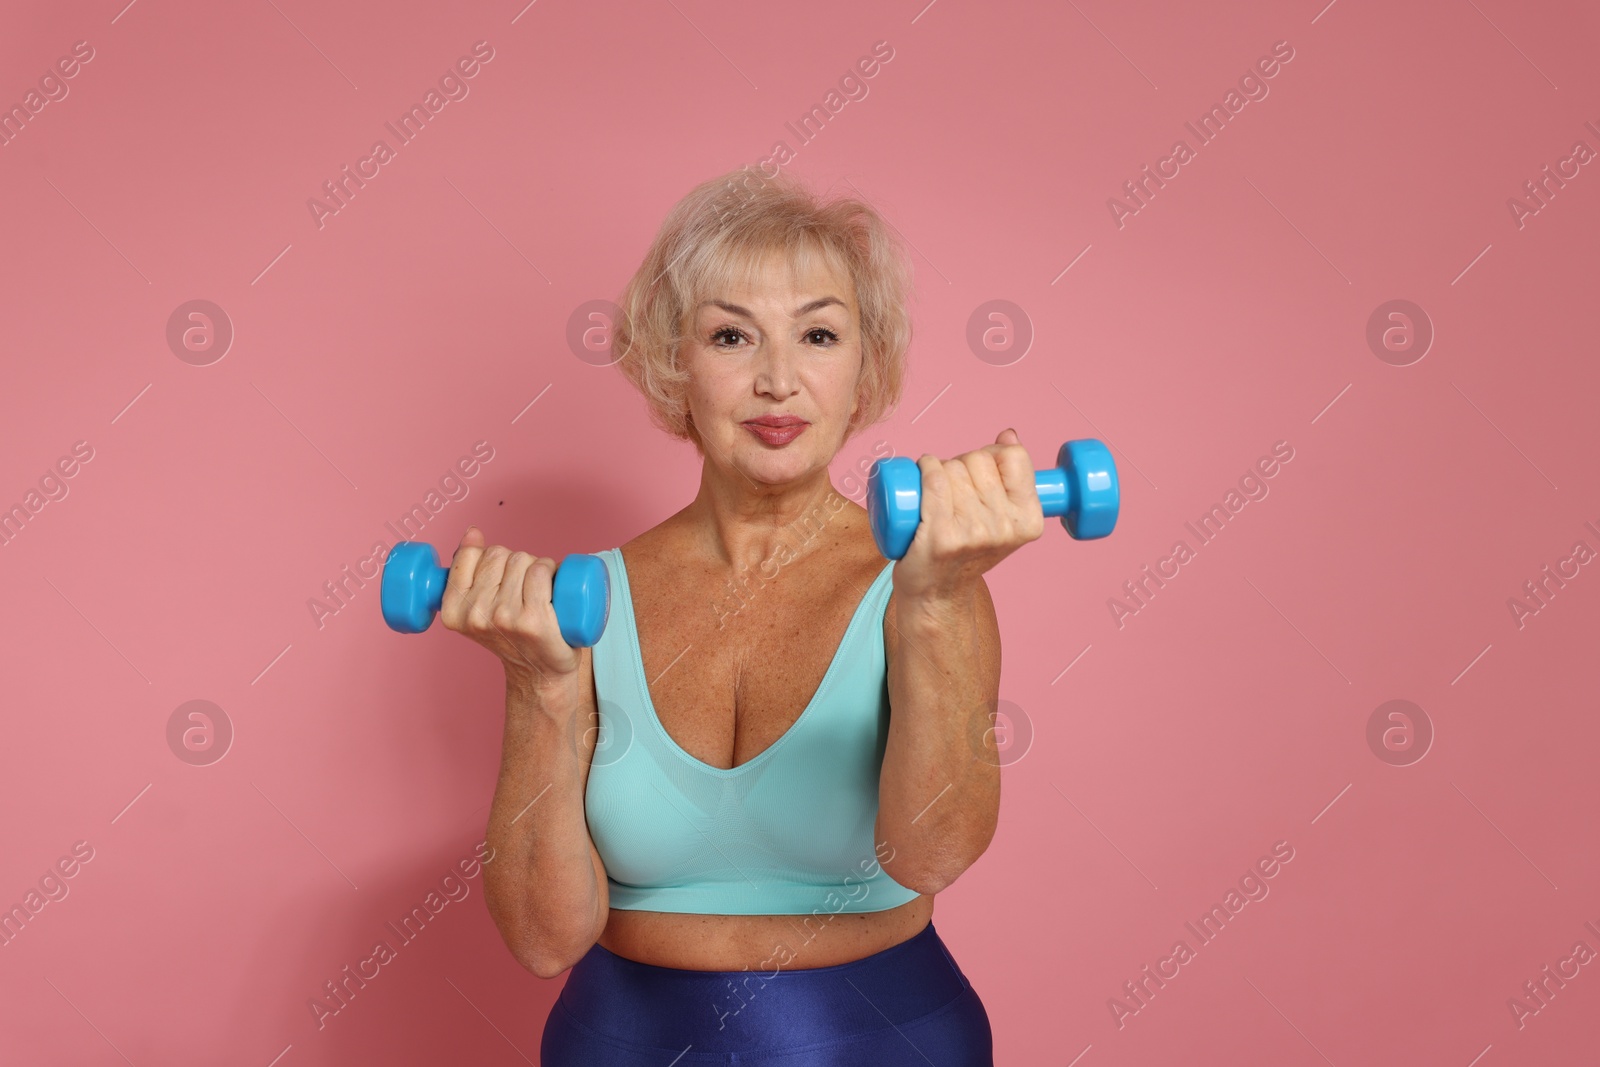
x=653 y=544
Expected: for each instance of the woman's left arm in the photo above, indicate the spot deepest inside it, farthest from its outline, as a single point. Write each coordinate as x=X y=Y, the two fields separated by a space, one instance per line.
x=939 y=788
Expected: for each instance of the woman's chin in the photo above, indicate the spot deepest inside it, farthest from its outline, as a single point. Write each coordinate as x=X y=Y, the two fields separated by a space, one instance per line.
x=763 y=463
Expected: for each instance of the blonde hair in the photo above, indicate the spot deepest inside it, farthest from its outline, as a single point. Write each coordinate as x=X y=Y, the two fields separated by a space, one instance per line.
x=718 y=235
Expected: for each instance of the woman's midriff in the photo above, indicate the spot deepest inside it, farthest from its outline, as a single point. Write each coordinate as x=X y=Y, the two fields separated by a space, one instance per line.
x=760 y=942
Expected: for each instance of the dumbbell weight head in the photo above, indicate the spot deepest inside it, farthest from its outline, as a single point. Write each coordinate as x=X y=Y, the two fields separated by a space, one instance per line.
x=413 y=588
x=894 y=504
x=581 y=595
x=1091 y=494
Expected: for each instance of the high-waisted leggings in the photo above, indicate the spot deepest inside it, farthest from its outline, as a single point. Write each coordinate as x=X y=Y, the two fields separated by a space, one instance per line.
x=906 y=1006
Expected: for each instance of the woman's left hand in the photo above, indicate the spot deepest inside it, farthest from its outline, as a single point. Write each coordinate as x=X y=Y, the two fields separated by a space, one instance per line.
x=977 y=509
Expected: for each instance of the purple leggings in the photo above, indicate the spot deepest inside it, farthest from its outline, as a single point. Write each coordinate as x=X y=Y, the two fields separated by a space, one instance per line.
x=906 y=1006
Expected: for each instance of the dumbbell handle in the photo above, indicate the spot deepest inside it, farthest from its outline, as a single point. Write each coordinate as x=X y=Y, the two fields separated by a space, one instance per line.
x=1055 y=495
x=414 y=583
x=1058 y=492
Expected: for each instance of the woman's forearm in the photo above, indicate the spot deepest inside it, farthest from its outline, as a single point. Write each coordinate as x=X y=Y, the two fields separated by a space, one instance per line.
x=546 y=889
x=939 y=787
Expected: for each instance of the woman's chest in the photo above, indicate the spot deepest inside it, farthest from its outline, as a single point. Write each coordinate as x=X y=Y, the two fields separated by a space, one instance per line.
x=727 y=682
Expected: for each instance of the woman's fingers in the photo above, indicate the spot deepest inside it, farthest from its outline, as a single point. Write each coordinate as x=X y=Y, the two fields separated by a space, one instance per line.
x=537 y=582
x=506 y=616
x=983 y=478
x=501 y=599
x=453 y=605
x=1006 y=481
x=485 y=588
x=507 y=611
x=980 y=499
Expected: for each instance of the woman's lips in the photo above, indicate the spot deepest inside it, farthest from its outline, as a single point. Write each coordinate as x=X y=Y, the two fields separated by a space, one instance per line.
x=776 y=434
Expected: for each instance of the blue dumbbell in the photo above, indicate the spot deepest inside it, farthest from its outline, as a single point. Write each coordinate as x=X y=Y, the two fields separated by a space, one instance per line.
x=413 y=587
x=1081 y=488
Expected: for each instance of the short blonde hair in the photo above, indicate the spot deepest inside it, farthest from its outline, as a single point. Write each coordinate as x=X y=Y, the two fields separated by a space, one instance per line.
x=720 y=233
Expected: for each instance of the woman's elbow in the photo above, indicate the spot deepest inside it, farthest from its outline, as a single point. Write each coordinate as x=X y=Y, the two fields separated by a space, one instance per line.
x=543 y=965
x=927 y=878
x=937 y=871
x=543 y=952
x=544 y=958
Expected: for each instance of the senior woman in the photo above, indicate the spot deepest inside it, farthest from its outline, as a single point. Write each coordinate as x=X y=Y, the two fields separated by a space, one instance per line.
x=730 y=817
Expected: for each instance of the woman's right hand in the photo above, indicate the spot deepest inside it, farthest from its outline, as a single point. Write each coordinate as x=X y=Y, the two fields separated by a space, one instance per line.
x=501 y=599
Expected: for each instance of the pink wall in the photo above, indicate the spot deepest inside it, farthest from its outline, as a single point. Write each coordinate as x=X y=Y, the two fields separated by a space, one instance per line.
x=1171 y=749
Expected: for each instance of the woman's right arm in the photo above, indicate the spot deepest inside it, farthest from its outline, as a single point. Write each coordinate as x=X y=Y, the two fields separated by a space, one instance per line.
x=546 y=888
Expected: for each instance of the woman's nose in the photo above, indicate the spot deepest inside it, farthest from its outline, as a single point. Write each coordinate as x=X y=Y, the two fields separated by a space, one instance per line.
x=776 y=368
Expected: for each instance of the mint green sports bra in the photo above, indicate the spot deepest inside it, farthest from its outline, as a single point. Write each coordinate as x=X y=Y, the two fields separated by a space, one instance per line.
x=789 y=832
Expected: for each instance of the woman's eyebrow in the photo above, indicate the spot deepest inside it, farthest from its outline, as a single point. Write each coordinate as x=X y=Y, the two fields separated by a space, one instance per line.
x=735 y=309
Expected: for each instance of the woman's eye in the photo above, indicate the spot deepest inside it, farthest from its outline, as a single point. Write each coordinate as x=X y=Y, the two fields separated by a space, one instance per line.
x=728 y=336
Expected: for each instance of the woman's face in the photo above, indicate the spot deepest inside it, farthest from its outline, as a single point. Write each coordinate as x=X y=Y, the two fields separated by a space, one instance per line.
x=791 y=346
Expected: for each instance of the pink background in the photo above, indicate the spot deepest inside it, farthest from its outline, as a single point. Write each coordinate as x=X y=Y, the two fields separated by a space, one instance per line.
x=1231 y=712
